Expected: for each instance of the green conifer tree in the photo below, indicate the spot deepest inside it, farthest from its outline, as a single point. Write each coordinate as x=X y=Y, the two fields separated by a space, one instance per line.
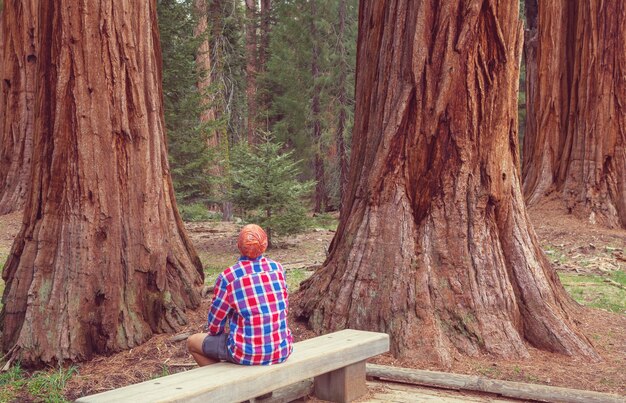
x=265 y=185
x=187 y=147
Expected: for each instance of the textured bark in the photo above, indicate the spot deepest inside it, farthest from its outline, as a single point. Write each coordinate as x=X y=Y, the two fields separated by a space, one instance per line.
x=263 y=97
x=434 y=245
x=208 y=66
x=576 y=134
x=251 y=68
x=343 y=102
x=321 y=195
x=264 y=34
x=102 y=261
x=593 y=167
x=204 y=66
x=19 y=56
x=548 y=91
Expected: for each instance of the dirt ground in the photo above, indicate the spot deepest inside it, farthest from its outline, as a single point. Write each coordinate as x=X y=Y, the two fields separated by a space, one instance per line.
x=573 y=247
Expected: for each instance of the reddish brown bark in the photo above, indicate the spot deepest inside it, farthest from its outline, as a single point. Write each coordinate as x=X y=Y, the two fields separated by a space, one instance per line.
x=251 y=68
x=593 y=167
x=208 y=67
x=19 y=56
x=548 y=90
x=203 y=64
x=434 y=245
x=575 y=138
x=321 y=195
x=102 y=261
x=264 y=34
x=343 y=101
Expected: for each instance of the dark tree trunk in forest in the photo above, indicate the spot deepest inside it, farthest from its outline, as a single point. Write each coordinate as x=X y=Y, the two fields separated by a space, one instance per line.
x=203 y=64
x=321 y=196
x=343 y=102
x=434 y=245
x=19 y=57
x=216 y=140
x=264 y=35
x=577 y=143
x=102 y=261
x=263 y=99
x=251 y=68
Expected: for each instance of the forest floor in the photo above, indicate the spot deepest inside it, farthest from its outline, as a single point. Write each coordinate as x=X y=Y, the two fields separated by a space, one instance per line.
x=590 y=260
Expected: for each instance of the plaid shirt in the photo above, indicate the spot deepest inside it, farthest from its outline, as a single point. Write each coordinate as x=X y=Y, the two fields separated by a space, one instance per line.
x=253 y=294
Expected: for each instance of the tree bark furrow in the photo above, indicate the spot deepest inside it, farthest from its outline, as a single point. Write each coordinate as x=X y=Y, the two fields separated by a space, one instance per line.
x=102 y=247
x=434 y=239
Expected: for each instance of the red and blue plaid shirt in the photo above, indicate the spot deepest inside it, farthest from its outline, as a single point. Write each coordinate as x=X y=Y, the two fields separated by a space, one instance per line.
x=253 y=294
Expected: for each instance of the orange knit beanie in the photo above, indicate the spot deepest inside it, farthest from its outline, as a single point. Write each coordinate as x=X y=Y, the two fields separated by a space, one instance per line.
x=252 y=241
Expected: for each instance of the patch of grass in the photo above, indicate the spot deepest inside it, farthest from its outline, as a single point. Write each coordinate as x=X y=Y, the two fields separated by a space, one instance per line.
x=48 y=386
x=198 y=212
x=593 y=291
x=324 y=221
x=11 y=383
x=211 y=273
x=42 y=386
x=619 y=276
x=294 y=277
x=555 y=254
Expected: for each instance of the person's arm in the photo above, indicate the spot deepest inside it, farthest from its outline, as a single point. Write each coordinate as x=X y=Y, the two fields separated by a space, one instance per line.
x=220 y=307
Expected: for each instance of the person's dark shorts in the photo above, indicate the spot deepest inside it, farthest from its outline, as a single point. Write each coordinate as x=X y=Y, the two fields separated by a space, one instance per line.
x=215 y=347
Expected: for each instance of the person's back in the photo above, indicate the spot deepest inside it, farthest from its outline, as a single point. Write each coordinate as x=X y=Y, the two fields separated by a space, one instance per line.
x=252 y=296
x=258 y=325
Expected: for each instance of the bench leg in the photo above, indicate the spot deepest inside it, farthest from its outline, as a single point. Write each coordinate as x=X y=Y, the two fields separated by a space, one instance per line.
x=342 y=385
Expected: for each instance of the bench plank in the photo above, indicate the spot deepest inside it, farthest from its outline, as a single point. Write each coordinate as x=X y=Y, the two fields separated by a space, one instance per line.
x=227 y=382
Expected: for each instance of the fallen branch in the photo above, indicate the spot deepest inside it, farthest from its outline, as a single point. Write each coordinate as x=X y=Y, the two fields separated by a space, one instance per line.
x=516 y=390
x=10 y=356
x=615 y=283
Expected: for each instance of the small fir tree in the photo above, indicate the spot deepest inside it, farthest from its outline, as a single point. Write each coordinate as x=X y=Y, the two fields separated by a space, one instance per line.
x=265 y=185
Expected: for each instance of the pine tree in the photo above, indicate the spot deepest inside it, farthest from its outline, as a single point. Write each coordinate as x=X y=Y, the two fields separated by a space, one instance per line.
x=266 y=186
x=291 y=89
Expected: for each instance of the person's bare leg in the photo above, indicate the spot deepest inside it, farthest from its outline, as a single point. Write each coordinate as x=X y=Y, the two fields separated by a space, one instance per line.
x=194 y=346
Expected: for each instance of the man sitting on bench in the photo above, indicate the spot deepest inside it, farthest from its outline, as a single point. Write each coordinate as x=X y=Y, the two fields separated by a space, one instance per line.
x=252 y=296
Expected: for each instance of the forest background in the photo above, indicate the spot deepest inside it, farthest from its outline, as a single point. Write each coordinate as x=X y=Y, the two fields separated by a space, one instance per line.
x=249 y=85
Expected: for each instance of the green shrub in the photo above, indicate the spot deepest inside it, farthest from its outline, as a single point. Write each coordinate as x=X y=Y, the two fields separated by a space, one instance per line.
x=197 y=212
x=266 y=187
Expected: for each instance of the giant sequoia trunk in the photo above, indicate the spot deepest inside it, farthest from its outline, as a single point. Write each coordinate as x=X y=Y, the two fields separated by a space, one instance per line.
x=548 y=86
x=17 y=70
x=576 y=132
x=434 y=245
x=102 y=260
x=593 y=167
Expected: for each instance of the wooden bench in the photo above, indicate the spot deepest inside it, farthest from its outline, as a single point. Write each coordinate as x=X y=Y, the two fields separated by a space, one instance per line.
x=335 y=360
